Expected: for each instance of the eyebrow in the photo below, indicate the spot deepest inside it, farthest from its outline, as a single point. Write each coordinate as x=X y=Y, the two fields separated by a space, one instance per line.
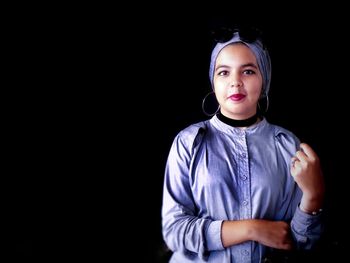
x=241 y=66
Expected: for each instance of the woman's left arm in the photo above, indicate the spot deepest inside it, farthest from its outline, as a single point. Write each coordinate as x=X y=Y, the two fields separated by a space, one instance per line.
x=306 y=170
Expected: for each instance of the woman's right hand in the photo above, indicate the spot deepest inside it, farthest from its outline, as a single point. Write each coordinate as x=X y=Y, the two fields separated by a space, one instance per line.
x=275 y=234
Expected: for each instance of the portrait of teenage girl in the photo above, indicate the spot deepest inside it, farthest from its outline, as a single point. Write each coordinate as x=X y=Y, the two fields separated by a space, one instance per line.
x=238 y=188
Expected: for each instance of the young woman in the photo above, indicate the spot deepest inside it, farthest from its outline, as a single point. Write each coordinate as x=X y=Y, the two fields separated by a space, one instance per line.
x=236 y=186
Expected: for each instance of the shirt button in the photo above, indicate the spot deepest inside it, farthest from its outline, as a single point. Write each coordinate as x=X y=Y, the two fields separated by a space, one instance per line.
x=243 y=155
x=245 y=252
x=244 y=177
x=245 y=203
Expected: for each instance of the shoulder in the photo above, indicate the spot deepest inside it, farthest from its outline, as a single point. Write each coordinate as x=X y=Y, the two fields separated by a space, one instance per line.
x=285 y=138
x=191 y=134
x=193 y=129
x=283 y=132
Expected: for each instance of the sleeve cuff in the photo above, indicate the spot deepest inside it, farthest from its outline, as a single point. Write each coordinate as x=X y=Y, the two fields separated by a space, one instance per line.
x=306 y=217
x=213 y=236
x=303 y=222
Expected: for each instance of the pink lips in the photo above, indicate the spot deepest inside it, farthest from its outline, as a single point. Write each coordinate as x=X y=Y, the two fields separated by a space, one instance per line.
x=237 y=97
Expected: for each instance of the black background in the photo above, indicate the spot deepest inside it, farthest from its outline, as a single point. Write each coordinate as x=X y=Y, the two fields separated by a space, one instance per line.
x=94 y=99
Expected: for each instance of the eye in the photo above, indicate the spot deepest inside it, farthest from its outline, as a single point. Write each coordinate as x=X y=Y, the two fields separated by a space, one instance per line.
x=223 y=73
x=248 y=72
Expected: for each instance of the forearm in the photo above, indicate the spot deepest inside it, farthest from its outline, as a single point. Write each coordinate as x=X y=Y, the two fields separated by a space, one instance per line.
x=236 y=232
x=311 y=203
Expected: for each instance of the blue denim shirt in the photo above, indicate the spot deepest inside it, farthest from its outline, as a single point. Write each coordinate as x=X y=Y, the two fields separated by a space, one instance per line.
x=217 y=172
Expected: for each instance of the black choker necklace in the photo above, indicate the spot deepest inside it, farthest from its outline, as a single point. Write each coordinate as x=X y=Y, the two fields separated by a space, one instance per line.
x=238 y=123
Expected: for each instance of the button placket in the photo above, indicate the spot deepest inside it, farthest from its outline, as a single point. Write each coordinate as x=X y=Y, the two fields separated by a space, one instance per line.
x=245 y=182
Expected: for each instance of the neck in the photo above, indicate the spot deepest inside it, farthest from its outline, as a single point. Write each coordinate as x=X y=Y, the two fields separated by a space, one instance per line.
x=238 y=123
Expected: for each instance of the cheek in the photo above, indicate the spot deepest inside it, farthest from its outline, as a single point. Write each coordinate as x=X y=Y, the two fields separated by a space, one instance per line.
x=257 y=91
x=256 y=88
x=255 y=95
x=219 y=90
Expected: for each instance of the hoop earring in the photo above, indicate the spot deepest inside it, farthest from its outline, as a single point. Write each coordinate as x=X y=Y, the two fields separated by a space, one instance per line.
x=203 y=105
x=267 y=104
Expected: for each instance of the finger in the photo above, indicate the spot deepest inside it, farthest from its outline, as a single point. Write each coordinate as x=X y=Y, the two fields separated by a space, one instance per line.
x=301 y=156
x=288 y=246
x=309 y=152
x=293 y=160
x=296 y=169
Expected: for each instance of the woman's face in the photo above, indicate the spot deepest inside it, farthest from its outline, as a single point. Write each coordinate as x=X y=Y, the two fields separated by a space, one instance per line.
x=237 y=81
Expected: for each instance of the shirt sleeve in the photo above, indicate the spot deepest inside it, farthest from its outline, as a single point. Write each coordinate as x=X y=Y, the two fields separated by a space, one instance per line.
x=306 y=229
x=182 y=229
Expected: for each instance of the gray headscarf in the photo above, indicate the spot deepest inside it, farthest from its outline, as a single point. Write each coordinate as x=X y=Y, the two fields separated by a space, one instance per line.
x=261 y=54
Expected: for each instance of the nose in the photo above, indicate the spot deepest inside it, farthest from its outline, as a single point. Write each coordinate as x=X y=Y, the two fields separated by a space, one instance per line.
x=236 y=81
x=236 y=84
